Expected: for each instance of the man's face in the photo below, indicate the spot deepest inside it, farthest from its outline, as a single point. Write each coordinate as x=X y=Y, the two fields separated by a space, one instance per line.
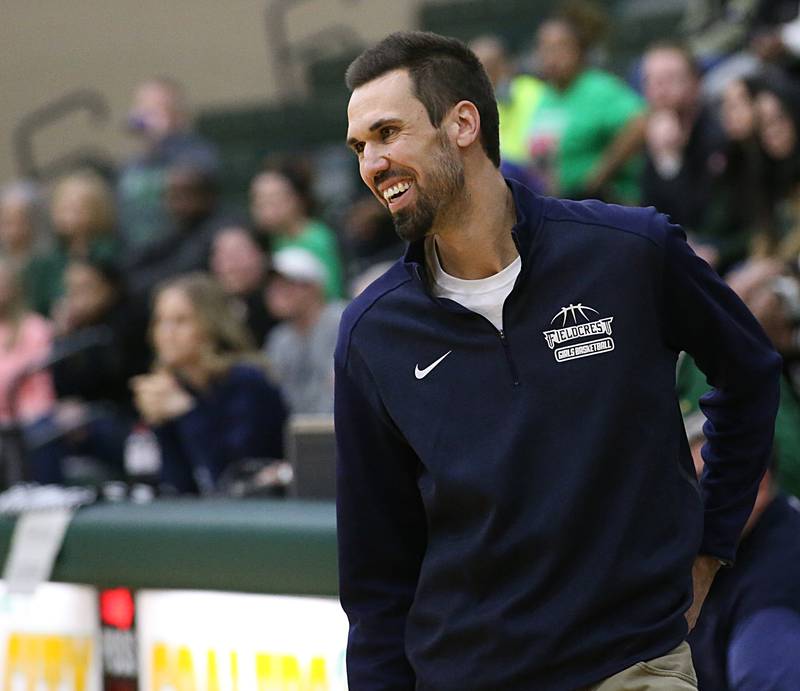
x=186 y=199
x=155 y=112
x=669 y=82
x=236 y=261
x=274 y=205
x=557 y=53
x=408 y=164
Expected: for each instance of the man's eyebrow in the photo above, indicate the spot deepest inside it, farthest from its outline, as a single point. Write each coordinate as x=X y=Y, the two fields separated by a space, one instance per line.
x=352 y=141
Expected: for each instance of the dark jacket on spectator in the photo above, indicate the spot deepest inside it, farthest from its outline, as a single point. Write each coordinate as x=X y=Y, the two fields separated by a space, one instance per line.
x=686 y=197
x=748 y=634
x=241 y=416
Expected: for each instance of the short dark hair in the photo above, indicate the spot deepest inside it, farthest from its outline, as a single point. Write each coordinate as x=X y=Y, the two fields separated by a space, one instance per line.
x=679 y=47
x=443 y=72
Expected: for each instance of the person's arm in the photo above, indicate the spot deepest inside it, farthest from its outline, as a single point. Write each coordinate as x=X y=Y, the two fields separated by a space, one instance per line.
x=381 y=529
x=627 y=142
x=704 y=317
x=762 y=655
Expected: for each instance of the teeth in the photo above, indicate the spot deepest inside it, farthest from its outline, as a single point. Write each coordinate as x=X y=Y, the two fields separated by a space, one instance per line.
x=396 y=189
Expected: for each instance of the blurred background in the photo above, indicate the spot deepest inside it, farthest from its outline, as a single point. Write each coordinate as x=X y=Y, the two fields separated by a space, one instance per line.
x=181 y=227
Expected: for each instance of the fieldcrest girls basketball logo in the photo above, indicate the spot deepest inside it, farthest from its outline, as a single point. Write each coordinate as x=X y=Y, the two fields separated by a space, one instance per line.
x=583 y=326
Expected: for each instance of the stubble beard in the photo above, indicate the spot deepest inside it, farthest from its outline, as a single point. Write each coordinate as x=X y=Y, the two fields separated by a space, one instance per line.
x=445 y=188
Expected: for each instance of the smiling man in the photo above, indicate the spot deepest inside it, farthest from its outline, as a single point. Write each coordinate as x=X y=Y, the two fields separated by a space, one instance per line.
x=516 y=501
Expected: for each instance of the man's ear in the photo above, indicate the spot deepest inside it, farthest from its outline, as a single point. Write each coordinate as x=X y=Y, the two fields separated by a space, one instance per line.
x=464 y=124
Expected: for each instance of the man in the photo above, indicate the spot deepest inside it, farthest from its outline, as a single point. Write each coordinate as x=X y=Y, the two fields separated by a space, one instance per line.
x=185 y=240
x=159 y=118
x=300 y=348
x=240 y=266
x=684 y=141
x=516 y=503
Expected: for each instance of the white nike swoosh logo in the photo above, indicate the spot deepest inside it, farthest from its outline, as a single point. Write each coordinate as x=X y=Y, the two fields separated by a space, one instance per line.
x=422 y=373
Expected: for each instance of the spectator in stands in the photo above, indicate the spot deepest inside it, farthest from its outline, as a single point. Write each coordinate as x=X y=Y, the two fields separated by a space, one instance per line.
x=748 y=633
x=84 y=219
x=159 y=119
x=184 y=244
x=240 y=267
x=732 y=38
x=518 y=96
x=98 y=347
x=21 y=236
x=589 y=126
x=773 y=296
x=96 y=322
x=684 y=140
x=208 y=404
x=778 y=115
x=739 y=210
x=301 y=348
x=26 y=391
x=282 y=206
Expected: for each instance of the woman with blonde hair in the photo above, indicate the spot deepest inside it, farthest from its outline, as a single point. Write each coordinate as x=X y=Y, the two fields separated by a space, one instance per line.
x=208 y=399
x=83 y=216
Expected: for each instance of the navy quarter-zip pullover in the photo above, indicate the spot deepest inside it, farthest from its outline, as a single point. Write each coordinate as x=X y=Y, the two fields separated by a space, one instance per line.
x=523 y=514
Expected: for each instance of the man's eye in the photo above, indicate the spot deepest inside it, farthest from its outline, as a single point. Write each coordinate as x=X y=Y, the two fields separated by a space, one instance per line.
x=387 y=131
x=358 y=148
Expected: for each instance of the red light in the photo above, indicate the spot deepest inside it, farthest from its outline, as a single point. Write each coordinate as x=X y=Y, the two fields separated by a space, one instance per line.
x=117 y=608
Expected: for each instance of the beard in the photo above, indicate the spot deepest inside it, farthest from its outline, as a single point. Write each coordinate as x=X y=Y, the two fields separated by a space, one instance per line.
x=445 y=186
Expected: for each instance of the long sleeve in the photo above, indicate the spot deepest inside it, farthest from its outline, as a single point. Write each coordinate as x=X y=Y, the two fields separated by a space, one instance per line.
x=704 y=317
x=381 y=530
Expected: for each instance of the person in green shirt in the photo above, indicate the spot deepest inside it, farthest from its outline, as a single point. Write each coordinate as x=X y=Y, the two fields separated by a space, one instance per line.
x=589 y=125
x=281 y=206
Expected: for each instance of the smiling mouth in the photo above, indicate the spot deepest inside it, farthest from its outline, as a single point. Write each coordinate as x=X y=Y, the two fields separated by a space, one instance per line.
x=393 y=193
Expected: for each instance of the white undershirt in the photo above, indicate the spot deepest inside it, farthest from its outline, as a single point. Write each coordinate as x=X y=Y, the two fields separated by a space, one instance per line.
x=482 y=295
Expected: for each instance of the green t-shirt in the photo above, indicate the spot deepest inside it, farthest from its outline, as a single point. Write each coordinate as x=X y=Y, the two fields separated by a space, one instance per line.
x=43 y=277
x=320 y=240
x=571 y=130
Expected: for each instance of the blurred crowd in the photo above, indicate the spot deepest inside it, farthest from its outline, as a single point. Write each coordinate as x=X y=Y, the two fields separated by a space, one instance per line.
x=147 y=331
x=139 y=309
x=706 y=129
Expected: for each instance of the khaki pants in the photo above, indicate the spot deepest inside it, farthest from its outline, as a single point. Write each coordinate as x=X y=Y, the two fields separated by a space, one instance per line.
x=671 y=672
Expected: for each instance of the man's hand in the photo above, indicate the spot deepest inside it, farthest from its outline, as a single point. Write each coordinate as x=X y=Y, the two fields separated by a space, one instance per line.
x=703 y=571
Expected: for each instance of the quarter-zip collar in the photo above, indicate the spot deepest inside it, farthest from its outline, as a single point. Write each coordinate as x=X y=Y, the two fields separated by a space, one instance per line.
x=529 y=214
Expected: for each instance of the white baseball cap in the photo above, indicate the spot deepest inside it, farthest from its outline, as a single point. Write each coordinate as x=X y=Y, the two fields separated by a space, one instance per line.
x=298 y=264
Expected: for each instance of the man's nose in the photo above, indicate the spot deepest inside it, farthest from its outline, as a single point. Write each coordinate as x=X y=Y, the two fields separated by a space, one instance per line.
x=374 y=161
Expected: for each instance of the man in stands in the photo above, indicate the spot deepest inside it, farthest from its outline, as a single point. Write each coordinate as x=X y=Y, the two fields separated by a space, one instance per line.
x=184 y=242
x=517 y=506
x=301 y=347
x=159 y=119
x=682 y=137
